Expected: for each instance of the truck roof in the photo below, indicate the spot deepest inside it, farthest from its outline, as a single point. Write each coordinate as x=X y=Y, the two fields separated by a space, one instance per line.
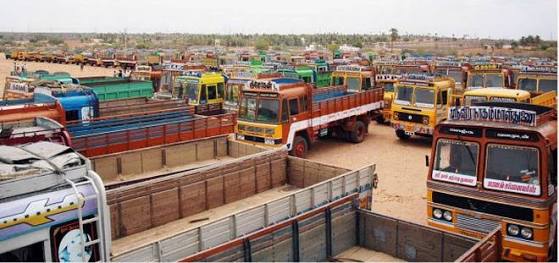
x=500 y=92
x=273 y=85
x=29 y=168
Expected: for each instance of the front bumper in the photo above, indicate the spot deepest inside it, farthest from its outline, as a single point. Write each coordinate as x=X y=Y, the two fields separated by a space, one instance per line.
x=412 y=128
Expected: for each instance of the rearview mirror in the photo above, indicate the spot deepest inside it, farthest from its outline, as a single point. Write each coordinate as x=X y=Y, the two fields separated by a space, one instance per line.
x=427 y=160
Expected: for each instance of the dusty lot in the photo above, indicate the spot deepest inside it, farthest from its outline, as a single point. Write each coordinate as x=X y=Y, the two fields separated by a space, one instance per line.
x=400 y=167
x=6 y=66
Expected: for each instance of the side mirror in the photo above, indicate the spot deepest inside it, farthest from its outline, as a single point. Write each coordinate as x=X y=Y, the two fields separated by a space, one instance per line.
x=427 y=160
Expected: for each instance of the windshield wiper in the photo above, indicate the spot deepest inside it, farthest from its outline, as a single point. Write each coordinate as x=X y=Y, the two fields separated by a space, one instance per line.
x=470 y=153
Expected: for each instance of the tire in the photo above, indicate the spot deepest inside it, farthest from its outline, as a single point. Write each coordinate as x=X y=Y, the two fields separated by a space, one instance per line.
x=402 y=135
x=300 y=147
x=380 y=119
x=357 y=135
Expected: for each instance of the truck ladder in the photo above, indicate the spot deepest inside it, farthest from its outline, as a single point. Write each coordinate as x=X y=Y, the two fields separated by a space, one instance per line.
x=81 y=202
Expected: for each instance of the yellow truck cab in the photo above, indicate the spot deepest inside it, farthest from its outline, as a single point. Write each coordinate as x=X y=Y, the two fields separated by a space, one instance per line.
x=472 y=97
x=420 y=103
x=357 y=78
x=541 y=83
x=205 y=91
x=386 y=81
x=486 y=76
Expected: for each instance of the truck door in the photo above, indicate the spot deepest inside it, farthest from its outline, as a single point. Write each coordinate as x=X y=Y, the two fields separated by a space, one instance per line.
x=442 y=105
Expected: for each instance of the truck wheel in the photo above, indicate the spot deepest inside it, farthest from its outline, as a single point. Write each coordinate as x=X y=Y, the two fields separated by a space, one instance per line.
x=357 y=135
x=380 y=119
x=402 y=135
x=300 y=147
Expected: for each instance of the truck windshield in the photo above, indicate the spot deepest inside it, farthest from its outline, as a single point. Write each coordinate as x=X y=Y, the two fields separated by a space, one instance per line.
x=192 y=91
x=528 y=84
x=456 y=162
x=232 y=93
x=548 y=85
x=353 y=84
x=493 y=80
x=404 y=95
x=473 y=100
x=456 y=75
x=261 y=110
x=518 y=174
x=424 y=97
x=475 y=80
x=389 y=87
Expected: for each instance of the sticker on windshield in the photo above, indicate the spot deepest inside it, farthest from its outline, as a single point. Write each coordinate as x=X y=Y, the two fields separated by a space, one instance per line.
x=513 y=187
x=454 y=178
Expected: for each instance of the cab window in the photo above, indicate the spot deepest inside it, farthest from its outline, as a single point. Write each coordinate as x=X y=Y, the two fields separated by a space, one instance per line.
x=203 y=97
x=303 y=104
x=212 y=93
x=552 y=166
x=220 y=92
x=366 y=83
x=548 y=85
x=293 y=107
x=528 y=84
x=284 y=108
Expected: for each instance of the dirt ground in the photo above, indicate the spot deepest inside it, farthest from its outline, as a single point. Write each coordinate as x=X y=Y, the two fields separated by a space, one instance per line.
x=401 y=170
x=6 y=66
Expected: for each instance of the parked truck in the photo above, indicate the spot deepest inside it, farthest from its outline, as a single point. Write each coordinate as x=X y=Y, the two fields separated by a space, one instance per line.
x=493 y=171
x=33 y=130
x=53 y=206
x=293 y=113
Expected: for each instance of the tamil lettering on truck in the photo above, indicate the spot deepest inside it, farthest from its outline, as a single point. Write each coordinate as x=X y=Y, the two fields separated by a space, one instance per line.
x=53 y=206
x=420 y=103
x=494 y=165
x=292 y=113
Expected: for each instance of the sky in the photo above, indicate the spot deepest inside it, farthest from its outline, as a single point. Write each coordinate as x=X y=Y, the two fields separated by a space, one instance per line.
x=509 y=19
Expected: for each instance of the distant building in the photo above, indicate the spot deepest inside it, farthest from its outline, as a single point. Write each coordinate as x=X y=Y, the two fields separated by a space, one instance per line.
x=348 y=48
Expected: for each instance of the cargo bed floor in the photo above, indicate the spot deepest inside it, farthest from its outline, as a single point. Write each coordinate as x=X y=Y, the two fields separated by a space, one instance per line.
x=138 y=240
x=361 y=254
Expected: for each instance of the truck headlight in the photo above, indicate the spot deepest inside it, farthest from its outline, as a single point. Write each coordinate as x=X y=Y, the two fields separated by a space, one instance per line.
x=447 y=216
x=240 y=137
x=269 y=131
x=269 y=141
x=526 y=233
x=513 y=230
x=426 y=120
x=437 y=213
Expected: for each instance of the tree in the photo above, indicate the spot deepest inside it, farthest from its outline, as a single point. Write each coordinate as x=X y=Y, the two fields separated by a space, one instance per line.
x=514 y=45
x=333 y=48
x=261 y=44
x=393 y=37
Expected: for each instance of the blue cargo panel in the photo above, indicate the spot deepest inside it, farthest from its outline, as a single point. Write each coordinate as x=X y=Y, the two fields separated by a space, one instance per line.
x=328 y=95
x=85 y=129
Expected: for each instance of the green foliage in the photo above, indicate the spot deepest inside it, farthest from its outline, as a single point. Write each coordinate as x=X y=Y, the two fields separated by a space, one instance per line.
x=261 y=43
x=55 y=41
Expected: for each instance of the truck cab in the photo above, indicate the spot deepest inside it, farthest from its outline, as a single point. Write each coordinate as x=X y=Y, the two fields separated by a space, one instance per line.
x=420 y=103
x=454 y=70
x=493 y=166
x=540 y=82
x=53 y=206
x=486 y=76
x=357 y=78
x=201 y=89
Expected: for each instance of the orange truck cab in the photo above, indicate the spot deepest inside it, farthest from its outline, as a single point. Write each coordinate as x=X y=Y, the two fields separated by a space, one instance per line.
x=493 y=168
x=291 y=113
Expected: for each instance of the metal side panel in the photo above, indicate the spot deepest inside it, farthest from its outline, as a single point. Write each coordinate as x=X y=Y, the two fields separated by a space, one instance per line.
x=320 y=195
x=303 y=201
x=365 y=177
x=250 y=220
x=145 y=254
x=351 y=183
x=180 y=246
x=337 y=188
x=216 y=233
x=278 y=210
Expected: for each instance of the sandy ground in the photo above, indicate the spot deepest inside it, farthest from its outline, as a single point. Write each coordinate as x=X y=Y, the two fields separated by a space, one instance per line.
x=360 y=254
x=6 y=66
x=400 y=164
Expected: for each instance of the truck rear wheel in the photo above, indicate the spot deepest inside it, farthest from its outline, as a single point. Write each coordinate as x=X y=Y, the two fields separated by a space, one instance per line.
x=402 y=134
x=300 y=147
x=380 y=119
x=357 y=135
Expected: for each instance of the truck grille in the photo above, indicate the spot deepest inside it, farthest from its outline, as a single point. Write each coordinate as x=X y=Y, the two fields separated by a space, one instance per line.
x=476 y=224
x=402 y=116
